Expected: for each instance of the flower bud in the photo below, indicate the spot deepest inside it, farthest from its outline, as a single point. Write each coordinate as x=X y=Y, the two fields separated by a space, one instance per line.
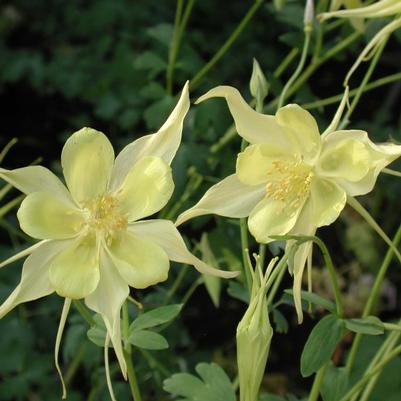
x=258 y=85
x=254 y=334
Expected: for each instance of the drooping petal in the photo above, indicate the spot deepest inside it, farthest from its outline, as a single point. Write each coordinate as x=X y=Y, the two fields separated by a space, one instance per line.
x=255 y=164
x=63 y=319
x=164 y=143
x=87 y=160
x=42 y=215
x=229 y=198
x=164 y=234
x=251 y=125
x=272 y=217
x=34 y=282
x=353 y=161
x=107 y=300
x=36 y=179
x=303 y=226
x=328 y=200
x=140 y=262
x=74 y=272
x=146 y=189
x=303 y=128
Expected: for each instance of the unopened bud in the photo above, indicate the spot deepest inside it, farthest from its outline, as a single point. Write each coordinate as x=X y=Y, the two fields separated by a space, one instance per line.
x=254 y=334
x=258 y=85
x=309 y=14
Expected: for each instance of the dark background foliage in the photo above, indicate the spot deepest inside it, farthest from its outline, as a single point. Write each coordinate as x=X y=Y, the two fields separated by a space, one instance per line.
x=102 y=63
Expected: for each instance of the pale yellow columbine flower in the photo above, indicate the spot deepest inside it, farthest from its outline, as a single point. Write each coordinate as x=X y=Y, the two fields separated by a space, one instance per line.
x=350 y=4
x=93 y=244
x=291 y=179
x=378 y=9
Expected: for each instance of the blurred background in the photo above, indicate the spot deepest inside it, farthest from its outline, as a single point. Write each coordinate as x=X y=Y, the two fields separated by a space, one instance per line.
x=103 y=64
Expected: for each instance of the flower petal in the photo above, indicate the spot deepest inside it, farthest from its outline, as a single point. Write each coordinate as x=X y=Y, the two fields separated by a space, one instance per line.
x=74 y=272
x=255 y=163
x=36 y=179
x=353 y=161
x=328 y=200
x=272 y=217
x=251 y=125
x=140 y=262
x=164 y=143
x=147 y=188
x=164 y=234
x=230 y=198
x=303 y=226
x=42 y=215
x=383 y=8
x=34 y=282
x=301 y=125
x=87 y=160
x=107 y=300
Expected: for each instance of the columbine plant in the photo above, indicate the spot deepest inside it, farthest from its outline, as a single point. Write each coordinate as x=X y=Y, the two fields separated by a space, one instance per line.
x=291 y=179
x=94 y=244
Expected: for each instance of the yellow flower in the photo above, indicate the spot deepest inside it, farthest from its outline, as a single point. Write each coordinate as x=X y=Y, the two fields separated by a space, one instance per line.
x=350 y=4
x=379 y=9
x=291 y=179
x=93 y=245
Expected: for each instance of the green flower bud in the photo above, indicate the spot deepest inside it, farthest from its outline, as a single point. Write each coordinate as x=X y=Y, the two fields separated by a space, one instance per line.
x=254 y=334
x=258 y=85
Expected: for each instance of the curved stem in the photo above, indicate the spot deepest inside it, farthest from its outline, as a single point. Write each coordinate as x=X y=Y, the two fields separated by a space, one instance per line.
x=314 y=394
x=83 y=312
x=227 y=44
x=133 y=383
x=373 y=297
x=297 y=72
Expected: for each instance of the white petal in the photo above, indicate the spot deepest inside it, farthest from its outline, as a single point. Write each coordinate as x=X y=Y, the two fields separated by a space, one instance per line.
x=107 y=300
x=251 y=125
x=87 y=160
x=229 y=198
x=164 y=143
x=164 y=234
x=146 y=189
x=353 y=161
x=34 y=282
x=36 y=179
x=301 y=126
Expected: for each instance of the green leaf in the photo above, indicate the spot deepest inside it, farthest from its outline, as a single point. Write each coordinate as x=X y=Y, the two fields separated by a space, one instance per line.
x=212 y=283
x=97 y=333
x=155 y=317
x=321 y=344
x=316 y=300
x=280 y=321
x=371 y=325
x=150 y=61
x=238 y=291
x=161 y=32
x=147 y=339
x=157 y=112
x=214 y=386
x=335 y=383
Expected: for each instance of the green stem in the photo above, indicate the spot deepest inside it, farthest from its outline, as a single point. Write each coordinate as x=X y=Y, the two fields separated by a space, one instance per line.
x=133 y=383
x=174 y=47
x=363 y=84
x=335 y=99
x=6 y=148
x=317 y=382
x=191 y=290
x=10 y=205
x=297 y=72
x=227 y=44
x=285 y=63
x=76 y=361
x=361 y=383
x=373 y=296
x=176 y=284
x=83 y=312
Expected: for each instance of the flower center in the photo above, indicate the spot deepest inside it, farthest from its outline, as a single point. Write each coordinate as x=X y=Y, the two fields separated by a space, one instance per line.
x=104 y=218
x=290 y=183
